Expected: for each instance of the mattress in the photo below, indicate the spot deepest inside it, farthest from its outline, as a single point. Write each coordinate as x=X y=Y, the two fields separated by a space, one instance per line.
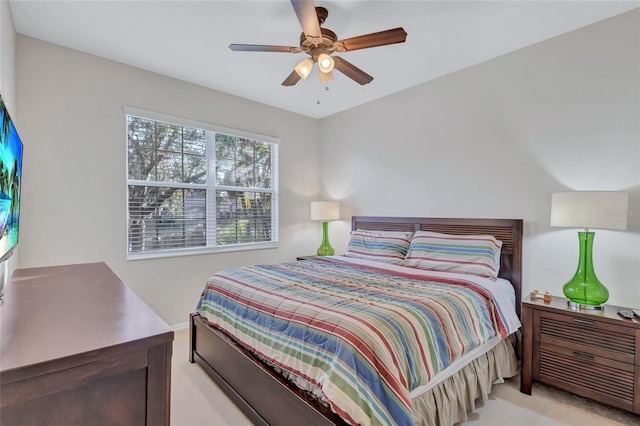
x=378 y=336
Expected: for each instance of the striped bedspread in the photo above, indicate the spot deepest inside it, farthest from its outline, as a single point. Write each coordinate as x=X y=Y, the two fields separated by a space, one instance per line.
x=365 y=336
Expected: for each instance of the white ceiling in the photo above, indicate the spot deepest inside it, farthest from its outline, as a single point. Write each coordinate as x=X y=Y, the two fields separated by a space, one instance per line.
x=189 y=40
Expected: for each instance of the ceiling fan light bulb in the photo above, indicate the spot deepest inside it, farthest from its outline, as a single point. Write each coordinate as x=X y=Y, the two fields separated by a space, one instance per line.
x=304 y=68
x=325 y=63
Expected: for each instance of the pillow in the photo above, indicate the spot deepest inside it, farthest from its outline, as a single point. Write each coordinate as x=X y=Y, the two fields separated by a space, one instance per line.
x=467 y=254
x=383 y=246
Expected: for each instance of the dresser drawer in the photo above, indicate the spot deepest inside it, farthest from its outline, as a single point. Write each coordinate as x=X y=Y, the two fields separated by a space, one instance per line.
x=603 y=379
x=588 y=336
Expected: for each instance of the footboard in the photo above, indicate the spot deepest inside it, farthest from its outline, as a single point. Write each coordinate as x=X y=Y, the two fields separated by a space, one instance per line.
x=264 y=396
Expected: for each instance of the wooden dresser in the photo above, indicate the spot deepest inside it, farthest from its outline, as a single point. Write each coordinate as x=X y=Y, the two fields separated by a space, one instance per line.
x=78 y=347
x=595 y=354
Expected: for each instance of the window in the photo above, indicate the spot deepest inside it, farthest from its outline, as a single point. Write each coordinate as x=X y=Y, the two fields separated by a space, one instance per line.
x=197 y=188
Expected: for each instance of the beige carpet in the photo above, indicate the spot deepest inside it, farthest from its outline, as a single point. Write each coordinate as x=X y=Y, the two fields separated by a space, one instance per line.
x=196 y=401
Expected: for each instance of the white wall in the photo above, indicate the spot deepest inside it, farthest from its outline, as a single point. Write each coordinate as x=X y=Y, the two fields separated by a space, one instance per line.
x=7 y=57
x=496 y=139
x=74 y=186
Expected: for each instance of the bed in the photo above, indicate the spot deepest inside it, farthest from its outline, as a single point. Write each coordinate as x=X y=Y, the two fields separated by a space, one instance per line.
x=256 y=382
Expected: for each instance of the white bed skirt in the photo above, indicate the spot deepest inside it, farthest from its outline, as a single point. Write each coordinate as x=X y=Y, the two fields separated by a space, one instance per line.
x=451 y=400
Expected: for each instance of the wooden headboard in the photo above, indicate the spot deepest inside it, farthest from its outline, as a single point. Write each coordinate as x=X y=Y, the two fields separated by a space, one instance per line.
x=509 y=231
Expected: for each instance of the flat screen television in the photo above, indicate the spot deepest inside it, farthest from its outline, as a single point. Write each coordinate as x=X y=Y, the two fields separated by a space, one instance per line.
x=10 y=181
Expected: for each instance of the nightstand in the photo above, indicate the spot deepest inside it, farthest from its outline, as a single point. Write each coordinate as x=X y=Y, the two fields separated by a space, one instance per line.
x=311 y=256
x=595 y=354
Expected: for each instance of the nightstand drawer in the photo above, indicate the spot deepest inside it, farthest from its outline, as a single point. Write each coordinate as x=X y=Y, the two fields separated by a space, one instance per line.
x=585 y=374
x=588 y=336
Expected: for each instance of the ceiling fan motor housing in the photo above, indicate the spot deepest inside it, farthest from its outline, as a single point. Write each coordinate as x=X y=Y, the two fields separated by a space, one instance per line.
x=327 y=45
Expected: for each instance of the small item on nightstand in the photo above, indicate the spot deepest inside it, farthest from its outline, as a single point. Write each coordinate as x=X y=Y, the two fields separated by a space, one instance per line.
x=625 y=314
x=546 y=296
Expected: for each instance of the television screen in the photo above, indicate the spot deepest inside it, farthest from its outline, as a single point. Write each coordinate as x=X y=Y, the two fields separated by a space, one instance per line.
x=10 y=179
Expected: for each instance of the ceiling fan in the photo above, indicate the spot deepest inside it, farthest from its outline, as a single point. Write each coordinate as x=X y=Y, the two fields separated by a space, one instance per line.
x=320 y=43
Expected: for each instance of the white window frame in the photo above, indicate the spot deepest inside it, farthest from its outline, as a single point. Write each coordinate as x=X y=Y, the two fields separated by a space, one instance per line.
x=211 y=187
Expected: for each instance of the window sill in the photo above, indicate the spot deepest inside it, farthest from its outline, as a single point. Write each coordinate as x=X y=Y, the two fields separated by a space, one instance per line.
x=201 y=251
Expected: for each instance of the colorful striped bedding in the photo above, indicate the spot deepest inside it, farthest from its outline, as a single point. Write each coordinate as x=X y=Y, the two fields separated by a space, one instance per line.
x=366 y=336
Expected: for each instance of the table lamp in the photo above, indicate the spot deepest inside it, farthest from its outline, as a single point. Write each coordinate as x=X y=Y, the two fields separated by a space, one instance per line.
x=588 y=209
x=325 y=211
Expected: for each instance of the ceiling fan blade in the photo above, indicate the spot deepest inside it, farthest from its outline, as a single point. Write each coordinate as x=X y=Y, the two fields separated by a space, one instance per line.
x=382 y=38
x=292 y=79
x=306 y=12
x=351 y=71
x=263 y=48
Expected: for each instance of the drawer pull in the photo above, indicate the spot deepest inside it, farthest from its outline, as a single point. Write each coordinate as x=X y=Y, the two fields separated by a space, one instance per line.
x=583 y=355
x=583 y=321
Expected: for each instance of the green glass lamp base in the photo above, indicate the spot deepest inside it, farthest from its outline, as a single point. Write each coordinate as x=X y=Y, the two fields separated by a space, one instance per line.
x=325 y=248
x=584 y=290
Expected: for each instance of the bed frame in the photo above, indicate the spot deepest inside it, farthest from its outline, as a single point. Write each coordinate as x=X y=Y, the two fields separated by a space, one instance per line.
x=268 y=399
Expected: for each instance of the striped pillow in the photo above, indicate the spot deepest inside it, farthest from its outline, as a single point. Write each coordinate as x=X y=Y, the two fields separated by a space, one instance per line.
x=467 y=254
x=383 y=246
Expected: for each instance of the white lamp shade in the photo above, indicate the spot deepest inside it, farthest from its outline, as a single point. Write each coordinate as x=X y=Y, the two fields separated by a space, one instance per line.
x=325 y=77
x=325 y=210
x=304 y=68
x=590 y=209
x=325 y=63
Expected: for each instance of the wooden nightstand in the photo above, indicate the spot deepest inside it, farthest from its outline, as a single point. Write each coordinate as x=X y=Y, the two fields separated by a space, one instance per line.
x=595 y=354
x=311 y=256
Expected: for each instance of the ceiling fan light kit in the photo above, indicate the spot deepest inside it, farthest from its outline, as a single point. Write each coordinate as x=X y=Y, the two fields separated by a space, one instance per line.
x=325 y=63
x=304 y=68
x=325 y=77
x=320 y=43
